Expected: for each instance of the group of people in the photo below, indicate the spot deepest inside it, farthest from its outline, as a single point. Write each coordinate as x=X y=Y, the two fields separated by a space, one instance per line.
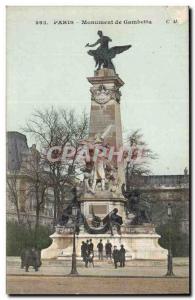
x=87 y=253
x=119 y=256
x=30 y=257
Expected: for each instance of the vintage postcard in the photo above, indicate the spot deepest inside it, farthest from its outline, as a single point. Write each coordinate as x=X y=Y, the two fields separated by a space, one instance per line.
x=97 y=150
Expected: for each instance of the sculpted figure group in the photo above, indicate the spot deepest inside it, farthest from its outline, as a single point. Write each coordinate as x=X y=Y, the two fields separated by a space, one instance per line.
x=103 y=55
x=99 y=172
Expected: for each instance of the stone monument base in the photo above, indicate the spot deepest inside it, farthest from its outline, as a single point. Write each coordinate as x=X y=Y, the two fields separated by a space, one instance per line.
x=102 y=203
x=141 y=242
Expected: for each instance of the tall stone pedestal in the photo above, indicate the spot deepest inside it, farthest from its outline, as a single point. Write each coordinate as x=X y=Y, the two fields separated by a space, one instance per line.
x=105 y=115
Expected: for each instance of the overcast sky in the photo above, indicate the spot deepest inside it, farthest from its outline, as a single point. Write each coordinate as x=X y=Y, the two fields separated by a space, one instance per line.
x=48 y=65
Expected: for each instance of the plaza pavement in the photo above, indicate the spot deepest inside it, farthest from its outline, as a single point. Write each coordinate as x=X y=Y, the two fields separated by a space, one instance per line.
x=105 y=268
x=138 y=277
x=44 y=285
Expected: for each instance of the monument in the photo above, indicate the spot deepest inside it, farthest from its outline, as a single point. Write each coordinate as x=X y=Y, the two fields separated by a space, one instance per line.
x=101 y=203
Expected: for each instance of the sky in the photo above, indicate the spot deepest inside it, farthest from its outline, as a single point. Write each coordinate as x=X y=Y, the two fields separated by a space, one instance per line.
x=48 y=65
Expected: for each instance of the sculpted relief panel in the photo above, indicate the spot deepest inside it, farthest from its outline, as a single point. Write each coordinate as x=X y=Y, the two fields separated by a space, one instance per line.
x=102 y=94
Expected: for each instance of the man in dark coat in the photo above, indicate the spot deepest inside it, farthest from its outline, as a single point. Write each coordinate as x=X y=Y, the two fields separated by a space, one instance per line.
x=100 y=250
x=122 y=256
x=31 y=257
x=83 y=250
x=90 y=246
x=34 y=255
x=85 y=253
x=89 y=259
x=87 y=245
x=115 y=255
x=108 y=249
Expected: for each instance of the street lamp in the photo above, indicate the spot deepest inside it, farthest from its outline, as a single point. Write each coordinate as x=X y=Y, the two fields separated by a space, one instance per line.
x=74 y=262
x=169 y=257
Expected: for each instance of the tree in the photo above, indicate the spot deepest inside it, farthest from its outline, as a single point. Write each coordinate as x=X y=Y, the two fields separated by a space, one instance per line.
x=138 y=159
x=19 y=237
x=55 y=131
x=14 y=191
x=36 y=184
x=140 y=154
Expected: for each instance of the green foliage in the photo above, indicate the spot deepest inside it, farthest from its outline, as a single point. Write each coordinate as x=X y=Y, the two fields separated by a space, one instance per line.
x=20 y=237
x=179 y=240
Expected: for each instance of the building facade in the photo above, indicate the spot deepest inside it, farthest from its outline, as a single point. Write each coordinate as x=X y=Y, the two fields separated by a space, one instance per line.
x=21 y=167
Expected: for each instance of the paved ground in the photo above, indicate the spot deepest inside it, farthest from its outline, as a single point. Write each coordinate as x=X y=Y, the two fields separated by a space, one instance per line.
x=133 y=268
x=138 y=277
x=95 y=285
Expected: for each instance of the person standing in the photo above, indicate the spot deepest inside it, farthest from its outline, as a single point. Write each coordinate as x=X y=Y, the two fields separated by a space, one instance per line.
x=83 y=250
x=91 y=246
x=122 y=256
x=87 y=245
x=108 y=249
x=115 y=255
x=100 y=250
